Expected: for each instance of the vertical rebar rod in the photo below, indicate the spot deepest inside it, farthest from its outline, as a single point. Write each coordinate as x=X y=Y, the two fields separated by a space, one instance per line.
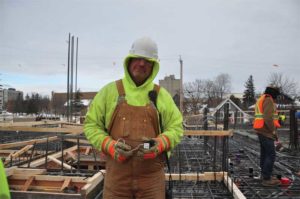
x=95 y=158
x=72 y=72
x=30 y=157
x=46 y=155
x=215 y=158
x=62 y=153
x=226 y=116
x=68 y=78
x=78 y=155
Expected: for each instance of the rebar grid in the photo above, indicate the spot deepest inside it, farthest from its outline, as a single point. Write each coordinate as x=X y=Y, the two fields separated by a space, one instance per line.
x=246 y=170
x=199 y=154
x=205 y=190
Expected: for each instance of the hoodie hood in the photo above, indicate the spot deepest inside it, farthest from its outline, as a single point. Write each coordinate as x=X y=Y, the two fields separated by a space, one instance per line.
x=150 y=79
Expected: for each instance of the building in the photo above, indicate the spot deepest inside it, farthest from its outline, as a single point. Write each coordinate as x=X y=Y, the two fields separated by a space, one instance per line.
x=9 y=94
x=171 y=84
x=1 y=98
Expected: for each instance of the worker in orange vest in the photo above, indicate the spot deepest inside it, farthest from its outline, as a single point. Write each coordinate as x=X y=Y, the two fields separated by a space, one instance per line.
x=265 y=123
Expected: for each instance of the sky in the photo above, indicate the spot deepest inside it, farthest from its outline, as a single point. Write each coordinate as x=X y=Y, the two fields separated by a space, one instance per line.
x=237 y=37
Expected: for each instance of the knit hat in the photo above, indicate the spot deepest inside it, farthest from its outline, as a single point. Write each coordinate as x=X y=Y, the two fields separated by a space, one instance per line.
x=273 y=91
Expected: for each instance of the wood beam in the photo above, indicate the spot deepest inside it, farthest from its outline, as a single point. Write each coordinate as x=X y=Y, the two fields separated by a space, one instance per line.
x=208 y=133
x=75 y=130
x=60 y=162
x=22 y=143
x=206 y=176
x=237 y=194
x=87 y=151
x=93 y=182
x=41 y=161
x=66 y=183
x=27 y=183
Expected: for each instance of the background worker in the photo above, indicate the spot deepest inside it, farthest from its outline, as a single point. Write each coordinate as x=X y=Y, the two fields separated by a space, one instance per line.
x=265 y=124
x=122 y=117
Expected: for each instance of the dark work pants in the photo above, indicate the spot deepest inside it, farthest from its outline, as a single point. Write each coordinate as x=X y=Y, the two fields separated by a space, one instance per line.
x=267 y=156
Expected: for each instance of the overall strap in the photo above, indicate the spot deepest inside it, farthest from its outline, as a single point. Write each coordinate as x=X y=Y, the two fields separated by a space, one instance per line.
x=121 y=98
x=156 y=88
x=120 y=87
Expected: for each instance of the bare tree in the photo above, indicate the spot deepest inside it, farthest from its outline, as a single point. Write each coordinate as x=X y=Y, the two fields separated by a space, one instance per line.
x=287 y=85
x=210 y=92
x=193 y=92
x=223 y=85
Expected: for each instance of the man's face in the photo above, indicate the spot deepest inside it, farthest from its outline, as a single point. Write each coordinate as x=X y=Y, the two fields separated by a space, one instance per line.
x=140 y=69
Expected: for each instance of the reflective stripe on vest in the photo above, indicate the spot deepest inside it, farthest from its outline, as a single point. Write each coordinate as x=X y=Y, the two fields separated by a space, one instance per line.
x=258 y=117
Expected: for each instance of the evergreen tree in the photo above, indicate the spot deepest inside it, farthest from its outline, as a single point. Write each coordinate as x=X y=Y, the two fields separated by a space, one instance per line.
x=77 y=104
x=249 y=93
x=235 y=100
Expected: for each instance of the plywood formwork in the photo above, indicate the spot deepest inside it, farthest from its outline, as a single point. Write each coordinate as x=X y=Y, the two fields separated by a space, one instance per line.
x=34 y=183
x=89 y=159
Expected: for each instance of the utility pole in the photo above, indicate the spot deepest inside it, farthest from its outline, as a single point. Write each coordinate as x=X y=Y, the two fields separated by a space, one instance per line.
x=76 y=64
x=181 y=86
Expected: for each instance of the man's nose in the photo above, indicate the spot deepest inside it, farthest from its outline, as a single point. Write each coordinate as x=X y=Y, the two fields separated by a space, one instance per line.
x=142 y=62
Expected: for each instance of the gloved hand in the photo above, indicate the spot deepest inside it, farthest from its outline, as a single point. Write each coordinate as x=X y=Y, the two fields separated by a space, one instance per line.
x=118 y=150
x=281 y=119
x=160 y=144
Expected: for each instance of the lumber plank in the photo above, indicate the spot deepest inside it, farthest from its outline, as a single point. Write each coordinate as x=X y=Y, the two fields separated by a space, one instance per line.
x=21 y=151
x=65 y=165
x=92 y=182
x=66 y=183
x=10 y=171
x=43 y=194
x=80 y=141
x=30 y=124
x=237 y=194
x=48 y=178
x=75 y=130
x=71 y=154
x=22 y=143
x=206 y=176
x=87 y=151
x=208 y=132
x=27 y=183
x=41 y=161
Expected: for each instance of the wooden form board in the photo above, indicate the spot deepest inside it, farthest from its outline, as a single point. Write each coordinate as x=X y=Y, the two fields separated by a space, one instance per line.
x=28 y=142
x=54 y=160
x=38 y=123
x=206 y=176
x=237 y=194
x=38 y=184
x=73 y=130
x=41 y=161
x=208 y=133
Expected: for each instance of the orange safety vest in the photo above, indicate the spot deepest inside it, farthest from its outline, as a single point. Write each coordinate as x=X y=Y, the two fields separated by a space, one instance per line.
x=258 y=117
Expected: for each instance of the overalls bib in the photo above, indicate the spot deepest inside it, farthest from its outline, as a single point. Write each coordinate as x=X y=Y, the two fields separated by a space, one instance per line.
x=135 y=178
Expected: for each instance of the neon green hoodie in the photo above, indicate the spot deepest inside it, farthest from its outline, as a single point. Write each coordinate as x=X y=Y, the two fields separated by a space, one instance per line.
x=104 y=103
x=4 y=190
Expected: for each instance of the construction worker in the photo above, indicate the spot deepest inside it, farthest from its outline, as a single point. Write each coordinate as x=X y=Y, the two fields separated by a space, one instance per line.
x=265 y=124
x=4 y=189
x=123 y=122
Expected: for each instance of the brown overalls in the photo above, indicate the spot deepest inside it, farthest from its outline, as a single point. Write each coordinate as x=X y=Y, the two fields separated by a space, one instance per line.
x=134 y=178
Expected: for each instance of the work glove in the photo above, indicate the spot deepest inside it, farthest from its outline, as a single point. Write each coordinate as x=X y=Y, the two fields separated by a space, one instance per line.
x=118 y=150
x=156 y=146
x=281 y=119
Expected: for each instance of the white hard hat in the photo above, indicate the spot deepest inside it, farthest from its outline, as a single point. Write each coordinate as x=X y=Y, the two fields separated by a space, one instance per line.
x=144 y=47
